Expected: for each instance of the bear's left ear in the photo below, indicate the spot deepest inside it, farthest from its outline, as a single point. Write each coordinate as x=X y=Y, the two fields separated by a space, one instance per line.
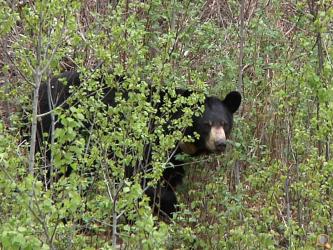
x=233 y=101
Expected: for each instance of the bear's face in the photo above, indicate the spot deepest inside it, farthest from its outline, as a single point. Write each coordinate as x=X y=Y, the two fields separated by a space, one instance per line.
x=214 y=125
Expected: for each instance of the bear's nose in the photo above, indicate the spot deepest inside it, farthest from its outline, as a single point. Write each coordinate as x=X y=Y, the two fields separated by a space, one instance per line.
x=220 y=145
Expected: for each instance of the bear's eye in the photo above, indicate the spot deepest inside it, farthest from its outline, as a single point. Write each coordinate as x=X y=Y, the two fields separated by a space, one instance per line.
x=222 y=123
x=208 y=123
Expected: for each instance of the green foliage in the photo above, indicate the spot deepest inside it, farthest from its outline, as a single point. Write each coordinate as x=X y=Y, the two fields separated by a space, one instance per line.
x=282 y=140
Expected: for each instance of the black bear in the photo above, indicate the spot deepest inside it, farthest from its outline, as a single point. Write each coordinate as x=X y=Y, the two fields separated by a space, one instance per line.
x=213 y=127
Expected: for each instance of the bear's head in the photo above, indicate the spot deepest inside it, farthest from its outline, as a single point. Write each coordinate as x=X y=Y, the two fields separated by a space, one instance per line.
x=214 y=125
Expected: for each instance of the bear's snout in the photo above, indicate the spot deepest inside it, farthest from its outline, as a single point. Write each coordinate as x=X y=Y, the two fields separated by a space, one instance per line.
x=220 y=145
x=216 y=141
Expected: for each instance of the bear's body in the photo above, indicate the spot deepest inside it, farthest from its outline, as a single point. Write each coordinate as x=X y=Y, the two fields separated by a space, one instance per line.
x=213 y=126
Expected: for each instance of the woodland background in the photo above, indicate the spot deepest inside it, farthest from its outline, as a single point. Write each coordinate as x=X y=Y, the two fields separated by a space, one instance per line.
x=271 y=190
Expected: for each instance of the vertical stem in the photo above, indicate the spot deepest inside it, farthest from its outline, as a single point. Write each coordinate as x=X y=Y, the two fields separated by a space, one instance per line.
x=51 y=107
x=113 y=195
x=287 y=200
x=240 y=84
x=299 y=204
x=320 y=69
x=37 y=81
x=313 y=6
x=319 y=73
x=240 y=76
x=327 y=152
x=241 y=49
x=34 y=124
x=114 y=224
x=287 y=197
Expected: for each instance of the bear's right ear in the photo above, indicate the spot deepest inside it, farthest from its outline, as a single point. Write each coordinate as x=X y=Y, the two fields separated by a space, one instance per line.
x=232 y=101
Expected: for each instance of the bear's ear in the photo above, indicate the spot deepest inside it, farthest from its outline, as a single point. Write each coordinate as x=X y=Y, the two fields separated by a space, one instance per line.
x=233 y=101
